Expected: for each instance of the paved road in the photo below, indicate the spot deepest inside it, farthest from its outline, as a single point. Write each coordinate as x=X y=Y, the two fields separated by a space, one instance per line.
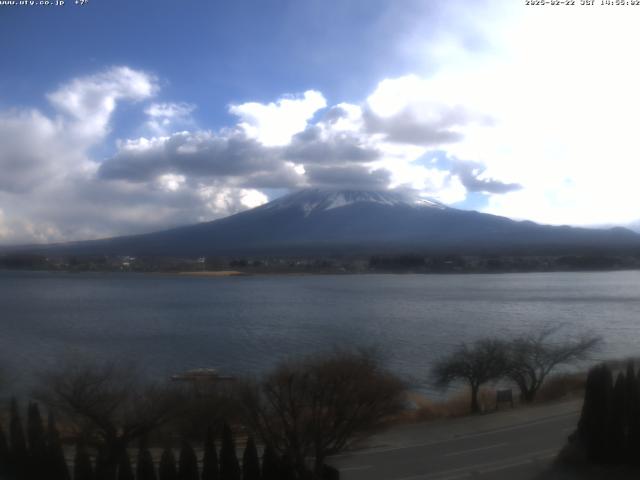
x=518 y=444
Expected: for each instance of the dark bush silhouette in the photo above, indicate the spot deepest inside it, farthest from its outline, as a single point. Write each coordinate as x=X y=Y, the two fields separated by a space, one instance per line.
x=109 y=401
x=125 y=472
x=52 y=466
x=617 y=441
x=609 y=423
x=593 y=427
x=229 y=466
x=289 y=471
x=55 y=461
x=270 y=464
x=188 y=462
x=4 y=454
x=203 y=405
x=633 y=412
x=167 y=470
x=37 y=464
x=250 y=461
x=18 y=443
x=82 y=469
x=210 y=468
x=104 y=470
x=145 y=469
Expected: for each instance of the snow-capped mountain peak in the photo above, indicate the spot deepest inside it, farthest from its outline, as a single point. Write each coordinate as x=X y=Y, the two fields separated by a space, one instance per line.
x=316 y=200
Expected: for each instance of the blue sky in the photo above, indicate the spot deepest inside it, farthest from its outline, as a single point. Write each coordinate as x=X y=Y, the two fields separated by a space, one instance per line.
x=121 y=117
x=209 y=53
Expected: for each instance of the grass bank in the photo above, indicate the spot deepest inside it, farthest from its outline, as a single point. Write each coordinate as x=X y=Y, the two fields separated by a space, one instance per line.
x=560 y=387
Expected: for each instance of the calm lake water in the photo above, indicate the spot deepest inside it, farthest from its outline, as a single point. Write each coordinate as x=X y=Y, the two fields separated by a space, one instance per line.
x=167 y=324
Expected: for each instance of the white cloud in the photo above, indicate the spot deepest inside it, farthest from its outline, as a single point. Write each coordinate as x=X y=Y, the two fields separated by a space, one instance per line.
x=252 y=198
x=165 y=117
x=337 y=150
x=35 y=149
x=29 y=142
x=274 y=124
x=87 y=103
x=567 y=101
x=49 y=190
x=169 y=110
x=230 y=200
x=418 y=111
x=554 y=100
x=171 y=182
x=202 y=155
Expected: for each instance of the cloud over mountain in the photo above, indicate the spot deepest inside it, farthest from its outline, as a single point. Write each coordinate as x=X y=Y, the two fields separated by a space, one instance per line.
x=56 y=188
x=49 y=187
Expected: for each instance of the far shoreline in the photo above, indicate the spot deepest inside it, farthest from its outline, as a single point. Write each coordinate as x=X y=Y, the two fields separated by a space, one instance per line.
x=213 y=273
x=303 y=273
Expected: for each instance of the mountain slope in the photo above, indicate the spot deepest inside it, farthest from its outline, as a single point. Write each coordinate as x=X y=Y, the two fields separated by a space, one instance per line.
x=314 y=222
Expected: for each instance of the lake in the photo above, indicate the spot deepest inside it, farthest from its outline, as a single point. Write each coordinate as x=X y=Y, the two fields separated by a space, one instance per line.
x=167 y=324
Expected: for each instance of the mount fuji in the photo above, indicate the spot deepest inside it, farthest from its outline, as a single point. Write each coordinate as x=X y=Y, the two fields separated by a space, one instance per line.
x=325 y=222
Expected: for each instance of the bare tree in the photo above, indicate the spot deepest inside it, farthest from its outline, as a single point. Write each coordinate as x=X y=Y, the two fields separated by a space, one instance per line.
x=203 y=410
x=107 y=401
x=316 y=407
x=482 y=361
x=533 y=356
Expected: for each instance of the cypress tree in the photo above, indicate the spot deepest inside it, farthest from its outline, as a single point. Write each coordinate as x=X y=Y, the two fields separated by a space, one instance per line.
x=633 y=442
x=82 y=468
x=596 y=412
x=229 y=466
x=607 y=411
x=56 y=462
x=630 y=387
x=18 y=449
x=587 y=407
x=632 y=415
x=270 y=464
x=102 y=468
x=37 y=443
x=630 y=402
x=287 y=470
x=35 y=430
x=586 y=424
x=188 y=462
x=125 y=472
x=145 y=469
x=617 y=442
x=4 y=454
x=250 y=461
x=168 y=469
x=210 y=469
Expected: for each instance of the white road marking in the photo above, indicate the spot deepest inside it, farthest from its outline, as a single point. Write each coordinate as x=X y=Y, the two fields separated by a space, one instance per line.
x=471 y=450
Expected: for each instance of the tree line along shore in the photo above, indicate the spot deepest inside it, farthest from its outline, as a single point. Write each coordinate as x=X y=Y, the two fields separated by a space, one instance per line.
x=339 y=264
